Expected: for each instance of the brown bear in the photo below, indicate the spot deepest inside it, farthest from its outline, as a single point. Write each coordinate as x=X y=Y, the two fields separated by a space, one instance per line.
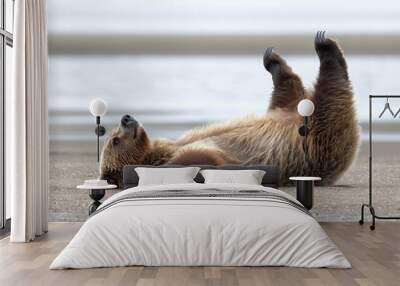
x=270 y=139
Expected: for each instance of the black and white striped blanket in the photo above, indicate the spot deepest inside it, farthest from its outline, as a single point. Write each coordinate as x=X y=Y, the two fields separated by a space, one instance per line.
x=206 y=194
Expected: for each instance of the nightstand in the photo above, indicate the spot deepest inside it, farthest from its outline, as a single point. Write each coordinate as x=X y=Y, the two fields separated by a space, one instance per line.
x=305 y=190
x=96 y=193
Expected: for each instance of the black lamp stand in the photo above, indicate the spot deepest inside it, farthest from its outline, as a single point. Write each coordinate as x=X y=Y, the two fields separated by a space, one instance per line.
x=97 y=194
x=100 y=131
x=303 y=131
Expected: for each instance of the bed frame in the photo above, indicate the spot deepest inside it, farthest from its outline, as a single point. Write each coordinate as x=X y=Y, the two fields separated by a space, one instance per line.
x=270 y=179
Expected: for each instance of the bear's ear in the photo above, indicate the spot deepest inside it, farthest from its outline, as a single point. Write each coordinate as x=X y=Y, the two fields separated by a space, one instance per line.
x=112 y=181
x=113 y=178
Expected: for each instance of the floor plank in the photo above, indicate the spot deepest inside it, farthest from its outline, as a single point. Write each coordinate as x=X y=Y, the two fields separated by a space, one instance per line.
x=375 y=257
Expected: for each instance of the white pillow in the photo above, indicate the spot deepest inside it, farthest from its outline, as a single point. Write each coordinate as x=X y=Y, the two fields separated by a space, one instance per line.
x=248 y=177
x=165 y=176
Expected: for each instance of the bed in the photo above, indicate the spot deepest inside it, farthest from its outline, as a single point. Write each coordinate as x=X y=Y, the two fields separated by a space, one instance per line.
x=197 y=224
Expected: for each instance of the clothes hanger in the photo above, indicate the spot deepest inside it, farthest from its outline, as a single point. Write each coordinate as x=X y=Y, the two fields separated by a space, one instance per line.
x=397 y=113
x=387 y=107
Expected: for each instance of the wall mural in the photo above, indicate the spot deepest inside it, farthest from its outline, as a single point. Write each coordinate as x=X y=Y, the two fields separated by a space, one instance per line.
x=272 y=139
x=191 y=76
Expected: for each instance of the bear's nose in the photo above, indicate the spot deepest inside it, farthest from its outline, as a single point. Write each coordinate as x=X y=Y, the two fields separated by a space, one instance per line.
x=128 y=120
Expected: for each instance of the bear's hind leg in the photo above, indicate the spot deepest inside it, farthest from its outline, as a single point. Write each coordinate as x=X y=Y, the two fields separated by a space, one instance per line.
x=288 y=88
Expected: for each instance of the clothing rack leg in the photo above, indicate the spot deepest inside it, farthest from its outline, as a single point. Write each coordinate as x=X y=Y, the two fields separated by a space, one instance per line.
x=361 y=221
x=372 y=210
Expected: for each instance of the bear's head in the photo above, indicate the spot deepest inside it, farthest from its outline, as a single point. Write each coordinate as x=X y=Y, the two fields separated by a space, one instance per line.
x=128 y=144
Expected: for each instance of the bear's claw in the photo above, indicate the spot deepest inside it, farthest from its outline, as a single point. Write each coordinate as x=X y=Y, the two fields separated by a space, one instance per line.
x=271 y=60
x=267 y=56
x=268 y=52
x=320 y=37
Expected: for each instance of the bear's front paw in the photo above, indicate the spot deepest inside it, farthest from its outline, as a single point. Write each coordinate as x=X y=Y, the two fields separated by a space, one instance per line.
x=272 y=61
x=326 y=47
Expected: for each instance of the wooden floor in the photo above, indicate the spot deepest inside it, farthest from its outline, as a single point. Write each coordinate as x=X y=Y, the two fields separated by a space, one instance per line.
x=375 y=257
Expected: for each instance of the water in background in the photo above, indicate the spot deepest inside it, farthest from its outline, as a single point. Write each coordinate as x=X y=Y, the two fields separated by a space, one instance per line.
x=171 y=94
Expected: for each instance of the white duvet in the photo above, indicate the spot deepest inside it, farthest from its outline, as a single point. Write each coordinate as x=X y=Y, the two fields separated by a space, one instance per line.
x=200 y=231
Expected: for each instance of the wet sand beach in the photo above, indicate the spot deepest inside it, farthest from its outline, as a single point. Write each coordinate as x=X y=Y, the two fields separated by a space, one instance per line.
x=71 y=163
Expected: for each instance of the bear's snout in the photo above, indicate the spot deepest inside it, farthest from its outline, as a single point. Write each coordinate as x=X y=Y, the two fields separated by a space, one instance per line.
x=129 y=125
x=129 y=121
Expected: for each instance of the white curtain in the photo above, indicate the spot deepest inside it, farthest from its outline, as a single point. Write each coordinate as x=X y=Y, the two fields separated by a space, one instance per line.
x=26 y=123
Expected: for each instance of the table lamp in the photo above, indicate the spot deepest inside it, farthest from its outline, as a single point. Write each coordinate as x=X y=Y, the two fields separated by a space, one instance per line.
x=98 y=108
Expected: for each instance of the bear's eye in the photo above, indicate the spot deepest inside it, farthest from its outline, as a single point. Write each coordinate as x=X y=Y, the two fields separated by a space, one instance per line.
x=115 y=141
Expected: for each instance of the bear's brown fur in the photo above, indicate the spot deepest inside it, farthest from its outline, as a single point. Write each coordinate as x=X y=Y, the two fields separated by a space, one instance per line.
x=271 y=139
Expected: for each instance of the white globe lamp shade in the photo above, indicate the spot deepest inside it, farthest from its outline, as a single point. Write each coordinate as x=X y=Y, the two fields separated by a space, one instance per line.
x=98 y=107
x=305 y=107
